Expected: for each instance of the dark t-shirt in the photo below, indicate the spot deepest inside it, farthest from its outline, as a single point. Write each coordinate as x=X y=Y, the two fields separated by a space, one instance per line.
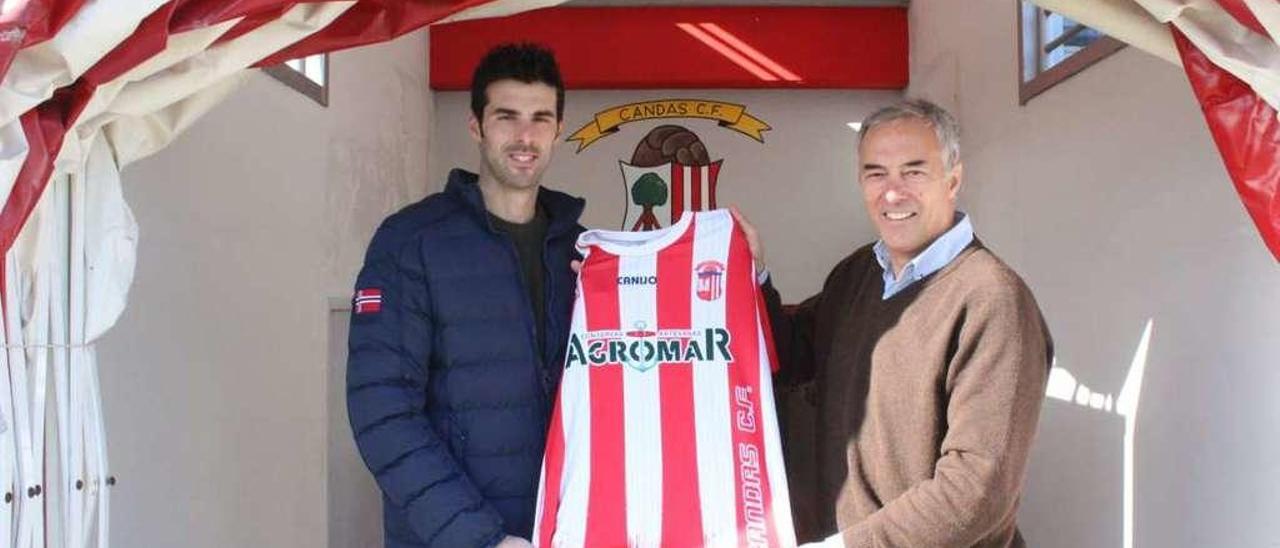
x=530 y=239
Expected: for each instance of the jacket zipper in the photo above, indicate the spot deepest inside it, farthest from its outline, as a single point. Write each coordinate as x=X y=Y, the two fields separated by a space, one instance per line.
x=531 y=328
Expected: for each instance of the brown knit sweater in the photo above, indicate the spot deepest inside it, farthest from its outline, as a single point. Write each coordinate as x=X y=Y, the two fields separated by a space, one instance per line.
x=926 y=402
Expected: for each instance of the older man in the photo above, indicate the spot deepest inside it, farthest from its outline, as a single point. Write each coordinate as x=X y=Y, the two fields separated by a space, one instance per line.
x=930 y=358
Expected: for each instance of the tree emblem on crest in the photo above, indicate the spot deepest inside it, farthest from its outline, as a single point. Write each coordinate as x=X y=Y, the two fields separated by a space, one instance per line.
x=648 y=191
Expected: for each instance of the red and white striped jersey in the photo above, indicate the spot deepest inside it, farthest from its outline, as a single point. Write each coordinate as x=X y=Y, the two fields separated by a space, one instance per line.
x=664 y=432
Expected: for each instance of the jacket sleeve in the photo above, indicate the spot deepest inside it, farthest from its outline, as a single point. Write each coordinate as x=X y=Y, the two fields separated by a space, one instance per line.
x=995 y=382
x=795 y=328
x=792 y=335
x=390 y=345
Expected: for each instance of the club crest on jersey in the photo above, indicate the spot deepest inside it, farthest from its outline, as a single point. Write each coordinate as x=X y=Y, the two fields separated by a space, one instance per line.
x=367 y=301
x=642 y=349
x=710 y=280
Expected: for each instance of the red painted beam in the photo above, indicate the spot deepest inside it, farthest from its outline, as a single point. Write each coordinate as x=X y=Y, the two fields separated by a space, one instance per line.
x=652 y=47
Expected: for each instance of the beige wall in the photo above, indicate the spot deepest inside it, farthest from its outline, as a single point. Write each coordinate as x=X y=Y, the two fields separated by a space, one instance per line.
x=797 y=186
x=1107 y=194
x=215 y=379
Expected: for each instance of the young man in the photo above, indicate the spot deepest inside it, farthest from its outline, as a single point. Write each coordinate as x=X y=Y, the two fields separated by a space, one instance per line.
x=459 y=322
x=930 y=356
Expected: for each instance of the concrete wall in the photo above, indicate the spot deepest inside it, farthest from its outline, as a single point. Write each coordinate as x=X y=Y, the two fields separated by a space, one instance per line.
x=215 y=378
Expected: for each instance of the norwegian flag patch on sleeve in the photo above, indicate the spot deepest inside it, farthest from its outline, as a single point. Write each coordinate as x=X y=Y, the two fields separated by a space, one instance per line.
x=367 y=301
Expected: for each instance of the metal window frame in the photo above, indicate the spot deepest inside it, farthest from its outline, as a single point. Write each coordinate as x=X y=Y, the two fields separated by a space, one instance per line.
x=291 y=77
x=1073 y=64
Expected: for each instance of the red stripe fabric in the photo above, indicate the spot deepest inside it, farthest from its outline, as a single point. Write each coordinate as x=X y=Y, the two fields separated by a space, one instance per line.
x=677 y=192
x=46 y=125
x=1245 y=129
x=36 y=22
x=553 y=472
x=681 y=505
x=750 y=471
x=367 y=22
x=44 y=132
x=370 y=22
x=713 y=176
x=195 y=14
x=695 y=187
x=606 y=511
x=252 y=22
x=1243 y=15
x=150 y=38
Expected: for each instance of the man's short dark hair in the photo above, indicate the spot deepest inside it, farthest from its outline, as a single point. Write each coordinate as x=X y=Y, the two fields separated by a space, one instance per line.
x=528 y=63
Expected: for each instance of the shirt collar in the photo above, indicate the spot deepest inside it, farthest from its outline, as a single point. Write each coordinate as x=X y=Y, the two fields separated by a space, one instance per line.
x=940 y=253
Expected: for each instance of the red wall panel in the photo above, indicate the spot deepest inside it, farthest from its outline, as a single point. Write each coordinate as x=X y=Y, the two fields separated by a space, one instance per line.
x=646 y=48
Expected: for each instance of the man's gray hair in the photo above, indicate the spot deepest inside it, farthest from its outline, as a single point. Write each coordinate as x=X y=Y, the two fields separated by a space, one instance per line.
x=943 y=123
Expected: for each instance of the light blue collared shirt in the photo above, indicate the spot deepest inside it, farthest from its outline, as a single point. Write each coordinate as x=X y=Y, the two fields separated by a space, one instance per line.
x=940 y=253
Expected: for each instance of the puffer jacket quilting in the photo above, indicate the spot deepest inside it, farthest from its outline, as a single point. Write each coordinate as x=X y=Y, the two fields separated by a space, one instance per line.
x=448 y=400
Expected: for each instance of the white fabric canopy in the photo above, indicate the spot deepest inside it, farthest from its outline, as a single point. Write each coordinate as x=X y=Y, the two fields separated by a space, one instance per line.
x=121 y=120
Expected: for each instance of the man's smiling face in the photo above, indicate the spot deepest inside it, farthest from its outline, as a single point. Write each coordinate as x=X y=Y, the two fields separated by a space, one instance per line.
x=909 y=191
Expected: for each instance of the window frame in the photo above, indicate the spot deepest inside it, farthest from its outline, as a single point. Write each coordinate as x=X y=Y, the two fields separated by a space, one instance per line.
x=295 y=79
x=1100 y=49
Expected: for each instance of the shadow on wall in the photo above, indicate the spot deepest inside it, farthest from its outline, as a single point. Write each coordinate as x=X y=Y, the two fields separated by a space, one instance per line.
x=1091 y=429
x=1082 y=426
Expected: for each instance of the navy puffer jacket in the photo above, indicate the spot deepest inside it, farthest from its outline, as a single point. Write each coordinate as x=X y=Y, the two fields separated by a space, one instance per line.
x=448 y=397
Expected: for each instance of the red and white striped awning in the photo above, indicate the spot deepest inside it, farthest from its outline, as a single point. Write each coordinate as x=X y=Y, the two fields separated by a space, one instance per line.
x=88 y=86
x=1230 y=53
x=127 y=75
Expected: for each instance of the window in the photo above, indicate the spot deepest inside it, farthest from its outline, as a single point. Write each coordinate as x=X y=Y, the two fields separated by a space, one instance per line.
x=308 y=75
x=1054 y=47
